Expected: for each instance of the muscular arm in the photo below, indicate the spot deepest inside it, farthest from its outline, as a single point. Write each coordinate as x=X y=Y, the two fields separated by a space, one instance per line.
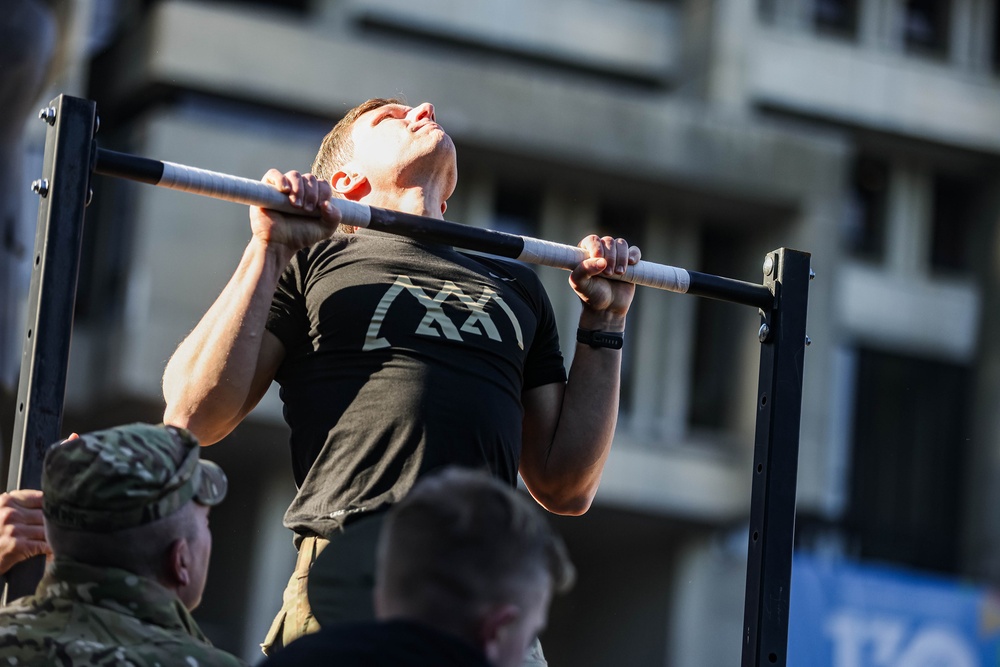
x=224 y=366
x=568 y=429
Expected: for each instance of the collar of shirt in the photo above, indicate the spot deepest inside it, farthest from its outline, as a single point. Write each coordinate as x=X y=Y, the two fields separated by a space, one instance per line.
x=117 y=590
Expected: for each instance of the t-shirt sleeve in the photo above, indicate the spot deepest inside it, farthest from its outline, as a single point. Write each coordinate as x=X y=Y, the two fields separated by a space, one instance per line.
x=544 y=363
x=287 y=318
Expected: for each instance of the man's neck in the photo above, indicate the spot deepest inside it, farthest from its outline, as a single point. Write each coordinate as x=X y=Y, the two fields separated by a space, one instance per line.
x=424 y=201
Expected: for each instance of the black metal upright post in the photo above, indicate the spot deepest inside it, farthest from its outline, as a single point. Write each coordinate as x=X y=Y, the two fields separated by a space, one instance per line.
x=775 y=461
x=63 y=189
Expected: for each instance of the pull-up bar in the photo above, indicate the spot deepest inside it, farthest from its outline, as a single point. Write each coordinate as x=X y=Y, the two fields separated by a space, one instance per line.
x=71 y=155
x=524 y=248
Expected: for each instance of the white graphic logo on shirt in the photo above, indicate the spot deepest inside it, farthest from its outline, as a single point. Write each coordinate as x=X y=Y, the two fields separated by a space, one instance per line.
x=436 y=322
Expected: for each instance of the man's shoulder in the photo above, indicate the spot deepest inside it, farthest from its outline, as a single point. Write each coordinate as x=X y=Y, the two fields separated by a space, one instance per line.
x=508 y=271
x=324 y=248
x=53 y=630
x=33 y=615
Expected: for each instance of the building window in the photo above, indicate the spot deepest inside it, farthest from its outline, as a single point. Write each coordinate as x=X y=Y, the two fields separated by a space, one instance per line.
x=865 y=217
x=715 y=387
x=517 y=209
x=836 y=17
x=952 y=216
x=926 y=25
x=909 y=445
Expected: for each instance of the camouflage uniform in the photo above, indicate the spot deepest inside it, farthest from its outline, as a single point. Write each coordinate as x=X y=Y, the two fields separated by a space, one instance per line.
x=83 y=615
x=98 y=484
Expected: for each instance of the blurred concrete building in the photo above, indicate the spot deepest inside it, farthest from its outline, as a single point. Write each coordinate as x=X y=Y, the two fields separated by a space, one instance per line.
x=866 y=132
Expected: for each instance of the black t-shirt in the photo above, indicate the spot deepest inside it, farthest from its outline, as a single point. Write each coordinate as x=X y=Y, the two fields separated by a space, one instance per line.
x=402 y=357
x=374 y=644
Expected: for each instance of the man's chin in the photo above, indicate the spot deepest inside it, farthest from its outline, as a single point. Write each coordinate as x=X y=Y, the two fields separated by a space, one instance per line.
x=444 y=150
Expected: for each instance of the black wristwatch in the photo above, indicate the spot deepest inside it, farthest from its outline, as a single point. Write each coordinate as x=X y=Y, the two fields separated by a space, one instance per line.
x=596 y=338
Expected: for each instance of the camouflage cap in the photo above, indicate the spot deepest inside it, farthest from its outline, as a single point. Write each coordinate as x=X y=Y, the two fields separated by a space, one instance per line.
x=126 y=476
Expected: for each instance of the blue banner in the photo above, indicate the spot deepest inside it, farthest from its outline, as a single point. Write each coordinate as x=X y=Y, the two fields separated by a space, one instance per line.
x=849 y=615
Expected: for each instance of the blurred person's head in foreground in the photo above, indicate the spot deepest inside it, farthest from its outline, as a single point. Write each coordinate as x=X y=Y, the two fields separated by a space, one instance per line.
x=470 y=556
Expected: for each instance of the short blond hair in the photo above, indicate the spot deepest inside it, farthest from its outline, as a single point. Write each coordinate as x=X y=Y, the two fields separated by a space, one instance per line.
x=337 y=147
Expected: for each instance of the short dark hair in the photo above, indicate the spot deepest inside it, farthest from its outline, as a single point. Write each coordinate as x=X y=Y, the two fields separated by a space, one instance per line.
x=337 y=147
x=461 y=539
x=140 y=550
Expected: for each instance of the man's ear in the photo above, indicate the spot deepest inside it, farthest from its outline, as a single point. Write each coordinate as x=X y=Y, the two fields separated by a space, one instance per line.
x=444 y=207
x=179 y=564
x=492 y=627
x=350 y=184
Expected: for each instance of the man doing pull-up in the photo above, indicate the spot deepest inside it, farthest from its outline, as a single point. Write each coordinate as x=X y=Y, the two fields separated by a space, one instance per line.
x=395 y=356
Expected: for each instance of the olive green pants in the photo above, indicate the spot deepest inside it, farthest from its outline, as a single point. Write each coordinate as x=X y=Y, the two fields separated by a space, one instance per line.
x=295 y=618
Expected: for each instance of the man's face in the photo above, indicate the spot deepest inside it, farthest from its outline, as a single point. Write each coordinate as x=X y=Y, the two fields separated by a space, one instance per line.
x=200 y=551
x=398 y=145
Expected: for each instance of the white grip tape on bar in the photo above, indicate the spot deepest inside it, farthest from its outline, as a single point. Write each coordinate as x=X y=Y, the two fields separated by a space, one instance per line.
x=563 y=256
x=252 y=193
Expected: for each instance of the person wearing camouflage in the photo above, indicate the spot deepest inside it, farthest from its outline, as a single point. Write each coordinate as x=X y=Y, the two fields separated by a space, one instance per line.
x=126 y=514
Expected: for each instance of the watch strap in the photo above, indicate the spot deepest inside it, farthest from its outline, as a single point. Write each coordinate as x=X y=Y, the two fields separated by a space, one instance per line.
x=613 y=340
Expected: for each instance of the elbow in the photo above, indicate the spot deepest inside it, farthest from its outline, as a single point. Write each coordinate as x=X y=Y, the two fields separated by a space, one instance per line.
x=571 y=507
x=565 y=502
x=568 y=493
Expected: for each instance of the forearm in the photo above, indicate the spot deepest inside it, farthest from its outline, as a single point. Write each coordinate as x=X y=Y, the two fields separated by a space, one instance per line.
x=568 y=429
x=567 y=473
x=210 y=376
